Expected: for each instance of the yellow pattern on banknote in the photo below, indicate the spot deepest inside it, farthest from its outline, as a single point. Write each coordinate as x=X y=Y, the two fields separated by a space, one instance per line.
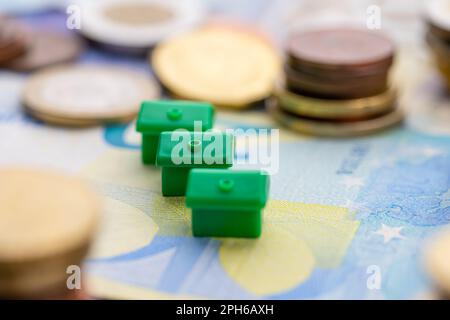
x=123 y=167
x=274 y=263
x=296 y=238
x=123 y=229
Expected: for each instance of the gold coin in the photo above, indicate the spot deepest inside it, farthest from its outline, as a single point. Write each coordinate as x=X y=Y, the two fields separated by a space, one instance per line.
x=88 y=93
x=223 y=65
x=330 y=128
x=46 y=223
x=437 y=261
x=335 y=109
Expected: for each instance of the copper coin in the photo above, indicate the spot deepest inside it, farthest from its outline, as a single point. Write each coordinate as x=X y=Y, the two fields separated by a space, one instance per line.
x=439 y=32
x=437 y=16
x=12 y=39
x=337 y=74
x=8 y=31
x=320 y=85
x=341 y=48
x=47 y=48
x=440 y=47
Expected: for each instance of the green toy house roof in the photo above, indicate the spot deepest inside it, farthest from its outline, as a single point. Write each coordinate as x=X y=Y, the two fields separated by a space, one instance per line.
x=195 y=149
x=227 y=189
x=168 y=115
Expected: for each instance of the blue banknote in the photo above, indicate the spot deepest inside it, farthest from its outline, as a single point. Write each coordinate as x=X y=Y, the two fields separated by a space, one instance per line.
x=347 y=218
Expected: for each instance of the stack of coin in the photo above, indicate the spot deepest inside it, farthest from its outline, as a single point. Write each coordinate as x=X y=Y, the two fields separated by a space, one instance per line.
x=437 y=262
x=87 y=95
x=438 y=35
x=336 y=83
x=47 y=222
x=12 y=40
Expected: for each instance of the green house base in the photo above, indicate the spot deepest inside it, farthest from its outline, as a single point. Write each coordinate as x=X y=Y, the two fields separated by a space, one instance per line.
x=226 y=223
x=174 y=181
x=149 y=148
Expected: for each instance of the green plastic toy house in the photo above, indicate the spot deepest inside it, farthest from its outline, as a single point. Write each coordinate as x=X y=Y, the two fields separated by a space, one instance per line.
x=227 y=203
x=181 y=151
x=168 y=115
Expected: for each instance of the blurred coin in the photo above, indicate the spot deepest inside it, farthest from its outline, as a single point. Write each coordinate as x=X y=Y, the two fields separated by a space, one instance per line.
x=445 y=72
x=439 y=47
x=322 y=86
x=437 y=261
x=441 y=54
x=330 y=128
x=438 y=18
x=447 y=80
x=62 y=121
x=137 y=23
x=12 y=39
x=340 y=49
x=443 y=65
x=47 y=221
x=87 y=94
x=47 y=48
x=438 y=32
x=226 y=66
x=337 y=74
x=29 y=6
x=335 y=109
x=73 y=121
